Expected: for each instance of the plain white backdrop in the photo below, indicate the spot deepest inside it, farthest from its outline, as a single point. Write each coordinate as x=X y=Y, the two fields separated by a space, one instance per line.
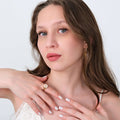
x=15 y=49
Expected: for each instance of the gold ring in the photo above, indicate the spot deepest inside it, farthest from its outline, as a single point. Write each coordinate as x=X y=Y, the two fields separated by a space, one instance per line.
x=44 y=86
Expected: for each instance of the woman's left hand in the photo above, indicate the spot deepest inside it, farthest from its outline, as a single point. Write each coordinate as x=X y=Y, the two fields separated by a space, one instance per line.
x=79 y=112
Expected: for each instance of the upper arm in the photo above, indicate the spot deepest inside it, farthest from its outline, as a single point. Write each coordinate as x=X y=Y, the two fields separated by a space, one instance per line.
x=111 y=104
x=6 y=93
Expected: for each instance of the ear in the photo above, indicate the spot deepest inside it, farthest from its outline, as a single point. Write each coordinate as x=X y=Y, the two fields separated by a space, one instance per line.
x=85 y=45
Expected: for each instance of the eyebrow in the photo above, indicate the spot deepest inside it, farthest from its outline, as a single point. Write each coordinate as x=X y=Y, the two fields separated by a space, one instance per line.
x=58 y=23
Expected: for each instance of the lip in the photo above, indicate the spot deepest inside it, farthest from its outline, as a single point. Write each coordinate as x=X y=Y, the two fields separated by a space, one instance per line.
x=53 y=56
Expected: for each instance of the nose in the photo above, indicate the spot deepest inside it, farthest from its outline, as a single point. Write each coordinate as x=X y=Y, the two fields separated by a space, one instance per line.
x=51 y=41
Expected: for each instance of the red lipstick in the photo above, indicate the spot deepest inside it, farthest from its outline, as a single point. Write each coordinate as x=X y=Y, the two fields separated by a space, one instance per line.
x=53 y=56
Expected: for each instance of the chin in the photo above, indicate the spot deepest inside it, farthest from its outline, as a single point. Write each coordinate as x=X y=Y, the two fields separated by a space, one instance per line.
x=57 y=68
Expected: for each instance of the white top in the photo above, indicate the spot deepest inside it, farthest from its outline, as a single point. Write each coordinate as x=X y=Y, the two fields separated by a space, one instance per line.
x=25 y=112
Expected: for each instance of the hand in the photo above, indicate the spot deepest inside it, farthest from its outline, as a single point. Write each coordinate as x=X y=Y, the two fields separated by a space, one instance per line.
x=28 y=87
x=79 y=112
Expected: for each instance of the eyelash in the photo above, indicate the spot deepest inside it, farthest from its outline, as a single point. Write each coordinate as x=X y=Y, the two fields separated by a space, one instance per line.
x=39 y=34
x=63 y=29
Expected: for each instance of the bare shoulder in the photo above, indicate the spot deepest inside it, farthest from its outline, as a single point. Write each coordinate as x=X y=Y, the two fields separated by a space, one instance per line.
x=111 y=104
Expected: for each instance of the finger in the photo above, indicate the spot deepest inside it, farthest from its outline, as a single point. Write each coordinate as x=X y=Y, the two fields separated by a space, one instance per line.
x=41 y=104
x=53 y=92
x=101 y=110
x=33 y=106
x=78 y=106
x=47 y=99
x=73 y=112
x=67 y=117
x=42 y=79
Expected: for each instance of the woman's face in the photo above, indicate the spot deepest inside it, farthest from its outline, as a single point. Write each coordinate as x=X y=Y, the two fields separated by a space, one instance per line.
x=57 y=43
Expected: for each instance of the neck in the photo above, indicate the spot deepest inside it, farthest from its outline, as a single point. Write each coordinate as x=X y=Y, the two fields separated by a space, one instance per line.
x=69 y=83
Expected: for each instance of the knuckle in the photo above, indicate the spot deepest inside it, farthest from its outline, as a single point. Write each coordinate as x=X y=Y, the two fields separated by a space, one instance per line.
x=49 y=100
x=45 y=97
x=42 y=104
x=25 y=97
x=35 y=88
x=39 y=101
x=44 y=107
x=76 y=113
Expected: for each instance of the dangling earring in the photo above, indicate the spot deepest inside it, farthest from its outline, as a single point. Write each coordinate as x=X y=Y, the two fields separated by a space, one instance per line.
x=85 y=51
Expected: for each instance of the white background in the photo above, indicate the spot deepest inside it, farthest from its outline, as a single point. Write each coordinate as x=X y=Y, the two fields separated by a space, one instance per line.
x=15 y=50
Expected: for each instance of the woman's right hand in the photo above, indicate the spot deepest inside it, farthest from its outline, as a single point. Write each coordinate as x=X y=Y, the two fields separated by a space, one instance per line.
x=28 y=87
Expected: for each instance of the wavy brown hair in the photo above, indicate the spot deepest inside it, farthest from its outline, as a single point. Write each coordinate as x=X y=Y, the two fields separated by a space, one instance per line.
x=82 y=21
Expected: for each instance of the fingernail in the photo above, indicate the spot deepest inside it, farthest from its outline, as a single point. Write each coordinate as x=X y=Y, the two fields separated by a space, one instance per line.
x=44 y=76
x=60 y=97
x=60 y=108
x=60 y=115
x=50 y=112
x=56 y=108
x=67 y=99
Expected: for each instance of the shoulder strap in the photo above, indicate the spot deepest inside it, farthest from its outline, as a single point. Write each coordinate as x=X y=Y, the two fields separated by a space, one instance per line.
x=100 y=96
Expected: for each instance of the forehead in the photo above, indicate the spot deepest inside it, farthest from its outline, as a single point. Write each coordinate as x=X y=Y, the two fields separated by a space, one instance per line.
x=50 y=14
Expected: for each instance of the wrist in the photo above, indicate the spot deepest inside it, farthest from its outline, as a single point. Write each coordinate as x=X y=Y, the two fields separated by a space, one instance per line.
x=10 y=78
x=6 y=77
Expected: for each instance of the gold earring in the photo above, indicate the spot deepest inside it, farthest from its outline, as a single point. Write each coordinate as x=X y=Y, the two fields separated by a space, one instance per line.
x=85 y=52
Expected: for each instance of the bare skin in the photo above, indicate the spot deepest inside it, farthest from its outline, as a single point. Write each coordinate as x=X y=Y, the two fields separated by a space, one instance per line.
x=110 y=103
x=19 y=86
x=55 y=35
x=106 y=108
x=64 y=77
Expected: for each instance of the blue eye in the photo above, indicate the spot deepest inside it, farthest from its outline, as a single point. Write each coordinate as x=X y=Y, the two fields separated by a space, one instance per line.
x=42 y=34
x=63 y=30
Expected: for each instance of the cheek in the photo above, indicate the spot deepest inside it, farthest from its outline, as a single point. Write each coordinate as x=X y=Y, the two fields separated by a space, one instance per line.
x=40 y=47
x=74 y=44
x=75 y=47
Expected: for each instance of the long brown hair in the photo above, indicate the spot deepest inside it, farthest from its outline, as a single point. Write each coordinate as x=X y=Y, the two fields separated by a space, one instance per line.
x=82 y=21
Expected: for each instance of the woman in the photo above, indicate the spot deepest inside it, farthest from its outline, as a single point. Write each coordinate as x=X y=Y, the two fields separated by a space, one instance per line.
x=71 y=54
